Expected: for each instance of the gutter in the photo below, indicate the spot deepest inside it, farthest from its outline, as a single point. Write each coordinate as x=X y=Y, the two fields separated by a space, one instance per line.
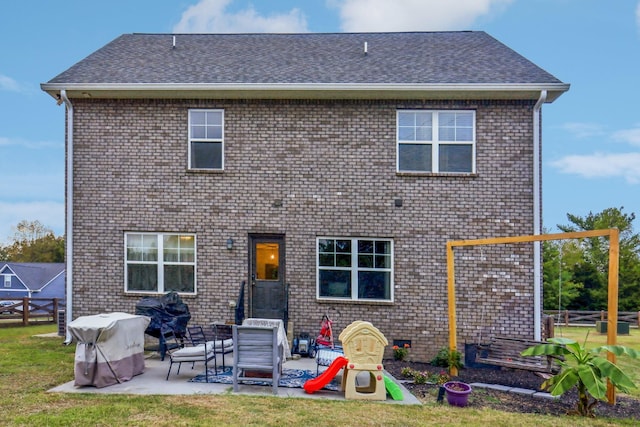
x=309 y=90
x=537 y=220
x=305 y=86
x=69 y=217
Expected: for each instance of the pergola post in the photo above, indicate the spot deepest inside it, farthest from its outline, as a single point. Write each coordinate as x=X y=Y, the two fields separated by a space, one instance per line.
x=614 y=253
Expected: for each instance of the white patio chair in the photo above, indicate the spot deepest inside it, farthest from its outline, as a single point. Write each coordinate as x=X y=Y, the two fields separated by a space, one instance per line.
x=256 y=349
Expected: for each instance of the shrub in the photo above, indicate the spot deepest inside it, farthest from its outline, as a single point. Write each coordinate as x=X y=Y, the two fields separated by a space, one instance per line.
x=448 y=359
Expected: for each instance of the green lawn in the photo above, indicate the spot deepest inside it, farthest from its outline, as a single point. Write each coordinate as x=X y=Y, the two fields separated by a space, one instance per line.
x=31 y=365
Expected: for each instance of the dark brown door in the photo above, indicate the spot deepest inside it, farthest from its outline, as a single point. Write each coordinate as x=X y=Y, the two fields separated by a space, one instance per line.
x=268 y=290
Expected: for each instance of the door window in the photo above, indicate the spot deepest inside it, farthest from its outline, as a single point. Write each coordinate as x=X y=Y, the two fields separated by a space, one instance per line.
x=267 y=261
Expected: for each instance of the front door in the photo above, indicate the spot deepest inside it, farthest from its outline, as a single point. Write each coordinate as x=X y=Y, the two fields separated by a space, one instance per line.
x=268 y=297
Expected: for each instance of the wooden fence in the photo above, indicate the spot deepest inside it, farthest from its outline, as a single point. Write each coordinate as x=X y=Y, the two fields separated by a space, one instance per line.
x=28 y=310
x=575 y=317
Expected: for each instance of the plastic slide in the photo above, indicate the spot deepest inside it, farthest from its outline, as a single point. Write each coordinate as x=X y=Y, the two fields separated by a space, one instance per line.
x=317 y=383
x=393 y=389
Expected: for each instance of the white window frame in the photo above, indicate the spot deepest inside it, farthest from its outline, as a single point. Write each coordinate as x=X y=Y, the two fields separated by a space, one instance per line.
x=7 y=280
x=435 y=142
x=160 y=262
x=206 y=140
x=355 y=269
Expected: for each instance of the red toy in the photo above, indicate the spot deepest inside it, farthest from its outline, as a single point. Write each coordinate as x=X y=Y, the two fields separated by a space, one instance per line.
x=326 y=333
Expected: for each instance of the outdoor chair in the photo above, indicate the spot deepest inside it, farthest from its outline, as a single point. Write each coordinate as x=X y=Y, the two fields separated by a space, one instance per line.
x=256 y=351
x=202 y=352
x=223 y=339
x=167 y=341
x=325 y=356
x=209 y=332
x=221 y=345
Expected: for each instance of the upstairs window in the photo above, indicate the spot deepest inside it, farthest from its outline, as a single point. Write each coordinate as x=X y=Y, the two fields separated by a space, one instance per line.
x=355 y=269
x=160 y=262
x=436 y=141
x=206 y=139
x=7 y=280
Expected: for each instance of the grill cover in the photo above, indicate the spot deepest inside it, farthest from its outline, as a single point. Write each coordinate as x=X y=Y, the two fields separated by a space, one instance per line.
x=168 y=313
x=110 y=348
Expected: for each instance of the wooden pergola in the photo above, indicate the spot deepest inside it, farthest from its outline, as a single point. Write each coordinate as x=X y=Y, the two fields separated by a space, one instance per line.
x=614 y=252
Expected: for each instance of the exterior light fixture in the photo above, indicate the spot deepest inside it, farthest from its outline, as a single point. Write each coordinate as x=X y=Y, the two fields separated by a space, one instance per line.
x=229 y=243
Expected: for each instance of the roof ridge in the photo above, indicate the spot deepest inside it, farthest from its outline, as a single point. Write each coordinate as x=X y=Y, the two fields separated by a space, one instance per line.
x=308 y=33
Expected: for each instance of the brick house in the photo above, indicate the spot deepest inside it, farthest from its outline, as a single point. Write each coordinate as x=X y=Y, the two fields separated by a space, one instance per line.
x=326 y=171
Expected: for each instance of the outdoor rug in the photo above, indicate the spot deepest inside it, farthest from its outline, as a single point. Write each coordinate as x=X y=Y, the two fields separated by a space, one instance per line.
x=291 y=378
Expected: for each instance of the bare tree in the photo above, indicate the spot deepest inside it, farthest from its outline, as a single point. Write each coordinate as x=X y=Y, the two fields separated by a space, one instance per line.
x=29 y=231
x=33 y=242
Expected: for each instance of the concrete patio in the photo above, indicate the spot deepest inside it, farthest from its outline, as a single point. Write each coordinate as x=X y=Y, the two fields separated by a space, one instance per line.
x=153 y=381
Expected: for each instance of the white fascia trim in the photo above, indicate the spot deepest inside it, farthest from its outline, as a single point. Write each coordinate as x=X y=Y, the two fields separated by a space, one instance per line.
x=411 y=90
x=52 y=279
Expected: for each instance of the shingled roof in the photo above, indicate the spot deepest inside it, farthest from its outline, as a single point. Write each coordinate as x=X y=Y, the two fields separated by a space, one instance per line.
x=34 y=276
x=155 y=65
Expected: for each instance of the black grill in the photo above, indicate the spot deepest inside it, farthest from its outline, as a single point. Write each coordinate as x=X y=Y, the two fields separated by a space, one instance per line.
x=168 y=315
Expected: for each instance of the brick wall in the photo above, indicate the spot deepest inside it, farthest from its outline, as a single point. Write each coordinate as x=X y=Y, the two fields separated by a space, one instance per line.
x=303 y=169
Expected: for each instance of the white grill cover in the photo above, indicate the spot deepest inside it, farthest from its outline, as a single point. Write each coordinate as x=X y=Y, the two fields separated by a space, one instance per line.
x=110 y=348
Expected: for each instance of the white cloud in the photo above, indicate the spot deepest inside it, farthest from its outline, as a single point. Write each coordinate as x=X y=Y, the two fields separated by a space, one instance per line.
x=50 y=214
x=602 y=165
x=412 y=15
x=8 y=84
x=211 y=16
x=595 y=130
x=584 y=130
x=631 y=136
x=24 y=143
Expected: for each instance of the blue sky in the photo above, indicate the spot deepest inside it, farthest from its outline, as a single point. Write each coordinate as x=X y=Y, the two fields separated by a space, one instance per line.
x=591 y=134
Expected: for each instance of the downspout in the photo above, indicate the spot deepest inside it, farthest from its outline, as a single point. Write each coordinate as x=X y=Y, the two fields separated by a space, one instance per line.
x=69 y=217
x=537 y=220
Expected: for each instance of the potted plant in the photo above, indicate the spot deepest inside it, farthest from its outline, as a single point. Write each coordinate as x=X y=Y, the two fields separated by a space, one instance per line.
x=457 y=393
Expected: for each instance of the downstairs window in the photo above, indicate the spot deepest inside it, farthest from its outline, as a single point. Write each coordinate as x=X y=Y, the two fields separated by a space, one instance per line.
x=160 y=262
x=355 y=268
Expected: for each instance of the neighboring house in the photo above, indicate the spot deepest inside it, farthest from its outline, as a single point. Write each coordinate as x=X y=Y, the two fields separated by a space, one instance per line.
x=327 y=171
x=32 y=280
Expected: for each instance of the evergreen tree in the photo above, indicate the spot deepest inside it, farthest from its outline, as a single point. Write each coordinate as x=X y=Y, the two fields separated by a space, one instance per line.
x=559 y=258
x=592 y=270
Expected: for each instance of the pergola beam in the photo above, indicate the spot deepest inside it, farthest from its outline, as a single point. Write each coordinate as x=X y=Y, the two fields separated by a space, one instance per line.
x=612 y=309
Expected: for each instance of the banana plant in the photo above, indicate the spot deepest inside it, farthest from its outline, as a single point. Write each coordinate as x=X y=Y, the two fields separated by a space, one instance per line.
x=585 y=369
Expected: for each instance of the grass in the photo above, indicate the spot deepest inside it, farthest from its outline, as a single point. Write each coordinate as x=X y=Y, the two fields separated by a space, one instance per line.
x=31 y=365
x=593 y=339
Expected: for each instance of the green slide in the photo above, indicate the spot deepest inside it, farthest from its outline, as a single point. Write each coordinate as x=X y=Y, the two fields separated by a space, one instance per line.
x=393 y=389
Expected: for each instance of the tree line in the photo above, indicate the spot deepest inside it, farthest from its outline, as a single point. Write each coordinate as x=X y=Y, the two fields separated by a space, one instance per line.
x=33 y=242
x=575 y=271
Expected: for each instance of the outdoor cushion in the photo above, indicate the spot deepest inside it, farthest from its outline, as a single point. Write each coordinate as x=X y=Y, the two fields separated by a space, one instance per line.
x=224 y=344
x=191 y=352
